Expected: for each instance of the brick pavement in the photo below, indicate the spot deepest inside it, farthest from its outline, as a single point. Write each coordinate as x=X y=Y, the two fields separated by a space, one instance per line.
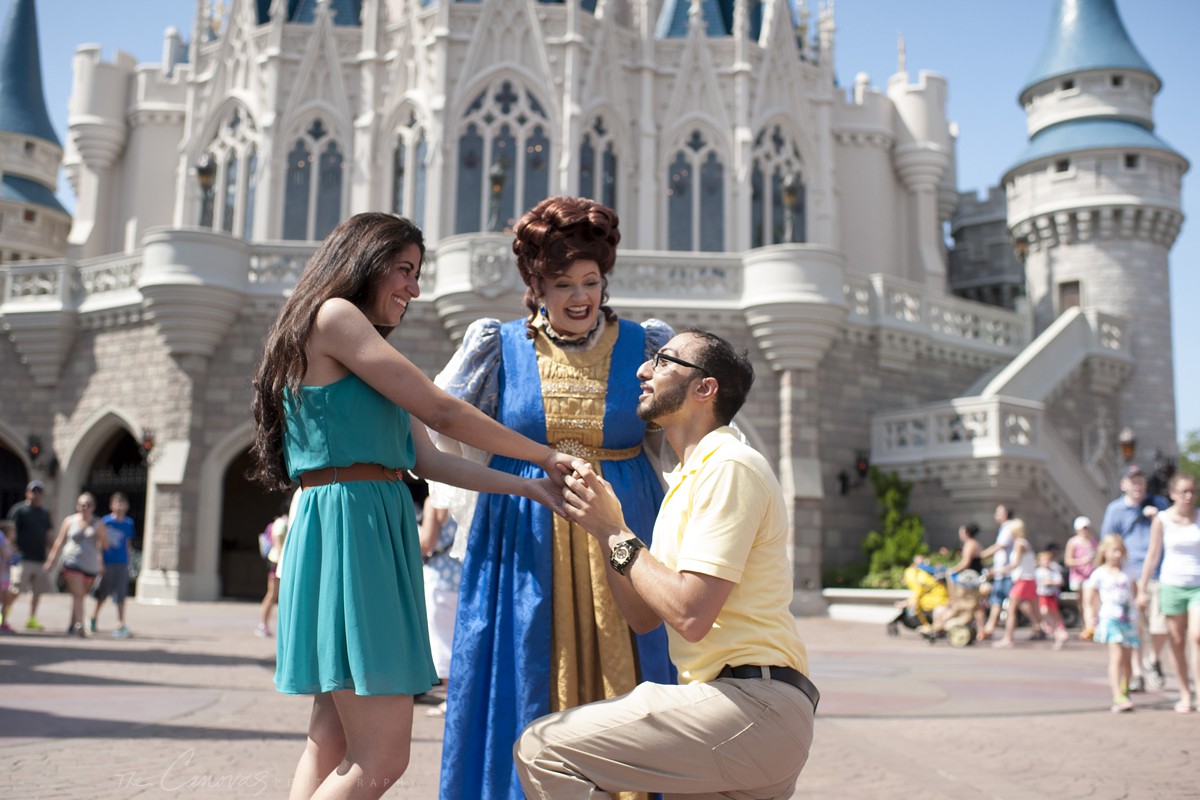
x=186 y=709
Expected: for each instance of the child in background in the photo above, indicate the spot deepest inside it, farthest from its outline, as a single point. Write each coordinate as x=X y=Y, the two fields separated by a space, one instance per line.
x=8 y=550
x=1049 y=579
x=1112 y=616
x=1080 y=555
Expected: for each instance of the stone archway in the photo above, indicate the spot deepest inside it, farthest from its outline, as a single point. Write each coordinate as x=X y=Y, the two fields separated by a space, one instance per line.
x=246 y=510
x=118 y=466
x=14 y=470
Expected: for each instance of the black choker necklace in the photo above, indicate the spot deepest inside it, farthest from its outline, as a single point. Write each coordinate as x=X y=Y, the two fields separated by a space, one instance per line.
x=563 y=341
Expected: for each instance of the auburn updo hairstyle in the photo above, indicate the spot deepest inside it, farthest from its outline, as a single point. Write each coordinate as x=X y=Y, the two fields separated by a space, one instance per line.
x=556 y=233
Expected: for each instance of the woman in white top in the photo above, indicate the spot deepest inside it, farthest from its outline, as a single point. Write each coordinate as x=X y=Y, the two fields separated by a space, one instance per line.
x=1175 y=540
x=82 y=539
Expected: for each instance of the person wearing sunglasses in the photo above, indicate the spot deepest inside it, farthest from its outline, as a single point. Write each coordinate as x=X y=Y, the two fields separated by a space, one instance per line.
x=537 y=628
x=739 y=723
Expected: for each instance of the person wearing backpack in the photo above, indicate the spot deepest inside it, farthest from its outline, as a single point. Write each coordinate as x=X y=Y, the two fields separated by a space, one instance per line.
x=270 y=544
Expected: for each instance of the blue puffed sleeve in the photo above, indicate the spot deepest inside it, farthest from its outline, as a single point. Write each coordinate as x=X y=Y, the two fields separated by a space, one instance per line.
x=658 y=333
x=473 y=373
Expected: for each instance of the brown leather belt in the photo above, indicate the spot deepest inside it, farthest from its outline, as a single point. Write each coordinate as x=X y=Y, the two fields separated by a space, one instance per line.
x=354 y=472
x=786 y=675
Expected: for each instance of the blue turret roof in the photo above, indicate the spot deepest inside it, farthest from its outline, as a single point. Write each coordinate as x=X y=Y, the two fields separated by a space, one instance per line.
x=22 y=102
x=1086 y=35
x=23 y=190
x=346 y=12
x=1090 y=134
x=673 y=19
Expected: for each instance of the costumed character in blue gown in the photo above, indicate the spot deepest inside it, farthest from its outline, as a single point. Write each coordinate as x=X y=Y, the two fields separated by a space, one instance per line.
x=332 y=406
x=537 y=628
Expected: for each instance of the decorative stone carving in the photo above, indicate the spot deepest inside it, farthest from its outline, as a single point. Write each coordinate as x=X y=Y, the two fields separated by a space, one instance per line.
x=493 y=270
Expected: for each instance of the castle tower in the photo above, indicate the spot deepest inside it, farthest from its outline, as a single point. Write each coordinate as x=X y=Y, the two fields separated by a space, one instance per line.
x=1094 y=201
x=33 y=224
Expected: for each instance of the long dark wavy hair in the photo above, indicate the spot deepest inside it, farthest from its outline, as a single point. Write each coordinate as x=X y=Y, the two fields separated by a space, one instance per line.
x=558 y=232
x=348 y=264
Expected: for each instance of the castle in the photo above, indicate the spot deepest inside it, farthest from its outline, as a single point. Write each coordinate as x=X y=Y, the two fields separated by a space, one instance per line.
x=1026 y=364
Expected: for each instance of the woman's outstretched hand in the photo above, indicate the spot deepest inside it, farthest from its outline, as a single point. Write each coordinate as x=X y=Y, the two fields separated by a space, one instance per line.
x=547 y=492
x=558 y=466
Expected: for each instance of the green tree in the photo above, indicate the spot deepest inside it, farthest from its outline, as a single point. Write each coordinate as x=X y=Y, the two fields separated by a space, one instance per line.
x=1189 y=453
x=900 y=536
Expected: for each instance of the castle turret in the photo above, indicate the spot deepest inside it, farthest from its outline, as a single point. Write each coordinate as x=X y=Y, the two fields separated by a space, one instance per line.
x=33 y=224
x=1094 y=201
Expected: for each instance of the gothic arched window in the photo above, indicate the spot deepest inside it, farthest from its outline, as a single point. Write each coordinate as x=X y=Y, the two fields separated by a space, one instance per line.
x=777 y=191
x=233 y=176
x=312 y=199
x=503 y=158
x=696 y=197
x=408 y=172
x=598 y=165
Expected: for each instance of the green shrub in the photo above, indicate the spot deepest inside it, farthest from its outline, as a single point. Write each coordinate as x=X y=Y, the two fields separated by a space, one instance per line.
x=900 y=536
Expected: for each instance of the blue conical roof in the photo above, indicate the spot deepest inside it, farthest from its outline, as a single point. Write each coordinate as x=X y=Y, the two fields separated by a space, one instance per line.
x=1086 y=35
x=22 y=102
x=346 y=12
x=673 y=19
x=1082 y=135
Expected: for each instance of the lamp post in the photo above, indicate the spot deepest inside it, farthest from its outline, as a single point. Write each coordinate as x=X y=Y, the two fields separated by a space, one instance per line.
x=496 y=178
x=790 y=189
x=206 y=173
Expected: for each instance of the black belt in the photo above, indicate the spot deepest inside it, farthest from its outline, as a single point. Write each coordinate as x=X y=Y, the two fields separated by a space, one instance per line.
x=786 y=675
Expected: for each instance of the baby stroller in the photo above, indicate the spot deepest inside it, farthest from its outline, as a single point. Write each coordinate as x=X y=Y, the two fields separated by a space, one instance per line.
x=940 y=608
x=958 y=623
x=928 y=594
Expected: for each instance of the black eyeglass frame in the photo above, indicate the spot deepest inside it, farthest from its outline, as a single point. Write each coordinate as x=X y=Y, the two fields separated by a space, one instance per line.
x=660 y=356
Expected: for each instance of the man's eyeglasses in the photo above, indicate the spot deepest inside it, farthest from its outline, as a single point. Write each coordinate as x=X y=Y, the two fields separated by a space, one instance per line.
x=661 y=357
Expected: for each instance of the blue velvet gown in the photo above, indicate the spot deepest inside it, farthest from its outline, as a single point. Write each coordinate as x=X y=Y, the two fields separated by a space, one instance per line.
x=500 y=674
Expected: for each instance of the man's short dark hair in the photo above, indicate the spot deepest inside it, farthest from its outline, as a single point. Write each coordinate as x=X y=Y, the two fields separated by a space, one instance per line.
x=733 y=371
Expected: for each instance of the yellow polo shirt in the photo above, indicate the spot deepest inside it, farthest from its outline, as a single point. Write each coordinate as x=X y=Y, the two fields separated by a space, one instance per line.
x=724 y=516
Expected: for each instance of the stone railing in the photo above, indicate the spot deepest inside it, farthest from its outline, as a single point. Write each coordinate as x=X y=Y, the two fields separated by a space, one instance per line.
x=904 y=306
x=652 y=278
x=276 y=264
x=38 y=283
x=965 y=428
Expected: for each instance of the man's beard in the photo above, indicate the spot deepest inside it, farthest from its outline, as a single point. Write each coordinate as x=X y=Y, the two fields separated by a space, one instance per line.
x=662 y=403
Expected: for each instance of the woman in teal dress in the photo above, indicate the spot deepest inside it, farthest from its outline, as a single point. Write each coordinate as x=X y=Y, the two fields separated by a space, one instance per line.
x=333 y=405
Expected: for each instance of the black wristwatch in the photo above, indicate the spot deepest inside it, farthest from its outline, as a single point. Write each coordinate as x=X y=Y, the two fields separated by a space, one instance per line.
x=624 y=552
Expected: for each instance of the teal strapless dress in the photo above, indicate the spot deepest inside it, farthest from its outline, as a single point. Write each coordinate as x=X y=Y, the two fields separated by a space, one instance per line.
x=351 y=593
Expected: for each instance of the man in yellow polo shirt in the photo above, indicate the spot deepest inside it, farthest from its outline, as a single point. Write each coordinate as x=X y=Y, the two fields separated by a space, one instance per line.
x=740 y=721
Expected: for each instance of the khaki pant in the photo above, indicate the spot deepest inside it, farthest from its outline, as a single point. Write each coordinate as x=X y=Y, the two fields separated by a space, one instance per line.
x=731 y=738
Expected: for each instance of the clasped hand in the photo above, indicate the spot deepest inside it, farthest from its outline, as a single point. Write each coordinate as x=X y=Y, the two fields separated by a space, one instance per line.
x=591 y=503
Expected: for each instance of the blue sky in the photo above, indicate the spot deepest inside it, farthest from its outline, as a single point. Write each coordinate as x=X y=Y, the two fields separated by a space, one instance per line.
x=985 y=48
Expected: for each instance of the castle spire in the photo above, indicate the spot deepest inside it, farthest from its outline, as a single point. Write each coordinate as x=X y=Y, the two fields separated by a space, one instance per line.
x=1086 y=35
x=22 y=101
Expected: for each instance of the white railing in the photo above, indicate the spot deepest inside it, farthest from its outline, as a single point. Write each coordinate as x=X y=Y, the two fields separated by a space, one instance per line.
x=38 y=282
x=972 y=427
x=895 y=303
x=107 y=274
x=642 y=276
x=278 y=263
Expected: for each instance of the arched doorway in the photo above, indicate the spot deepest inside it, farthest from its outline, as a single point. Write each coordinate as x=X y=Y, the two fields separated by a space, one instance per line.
x=246 y=509
x=13 y=478
x=119 y=467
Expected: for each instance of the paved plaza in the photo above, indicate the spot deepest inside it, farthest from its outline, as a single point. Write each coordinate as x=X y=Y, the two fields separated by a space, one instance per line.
x=186 y=709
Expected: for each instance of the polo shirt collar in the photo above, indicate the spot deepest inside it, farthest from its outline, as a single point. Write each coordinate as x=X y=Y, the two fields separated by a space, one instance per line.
x=703 y=451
